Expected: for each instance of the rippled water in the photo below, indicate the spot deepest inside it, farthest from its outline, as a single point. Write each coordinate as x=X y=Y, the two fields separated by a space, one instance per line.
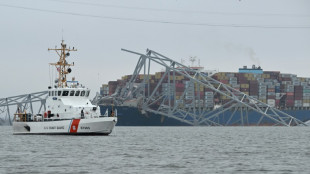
x=160 y=150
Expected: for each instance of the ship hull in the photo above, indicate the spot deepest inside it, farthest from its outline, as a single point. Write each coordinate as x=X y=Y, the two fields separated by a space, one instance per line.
x=131 y=116
x=93 y=126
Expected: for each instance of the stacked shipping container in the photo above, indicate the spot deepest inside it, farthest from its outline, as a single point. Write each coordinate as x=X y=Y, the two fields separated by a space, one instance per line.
x=271 y=87
x=104 y=90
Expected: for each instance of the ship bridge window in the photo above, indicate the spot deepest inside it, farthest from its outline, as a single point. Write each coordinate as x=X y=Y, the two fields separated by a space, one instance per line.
x=82 y=93
x=65 y=93
x=52 y=93
x=87 y=93
x=59 y=93
x=55 y=93
x=71 y=93
x=77 y=93
x=49 y=93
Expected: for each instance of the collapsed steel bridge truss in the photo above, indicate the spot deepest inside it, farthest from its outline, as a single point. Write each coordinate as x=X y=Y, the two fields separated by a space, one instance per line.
x=21 y=103
x=191 y=109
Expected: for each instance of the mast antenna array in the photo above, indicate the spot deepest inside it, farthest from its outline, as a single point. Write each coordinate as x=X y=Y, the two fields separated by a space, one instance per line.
x=62 y=66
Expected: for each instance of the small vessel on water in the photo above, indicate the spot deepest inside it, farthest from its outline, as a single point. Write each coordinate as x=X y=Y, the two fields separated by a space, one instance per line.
x=69 y=111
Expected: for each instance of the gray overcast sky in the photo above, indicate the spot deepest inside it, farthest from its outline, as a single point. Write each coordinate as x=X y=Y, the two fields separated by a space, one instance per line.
x=274 y=34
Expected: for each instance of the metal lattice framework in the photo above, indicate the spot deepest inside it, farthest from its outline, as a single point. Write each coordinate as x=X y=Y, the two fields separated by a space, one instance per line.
x=189 y=109
x=24 y=103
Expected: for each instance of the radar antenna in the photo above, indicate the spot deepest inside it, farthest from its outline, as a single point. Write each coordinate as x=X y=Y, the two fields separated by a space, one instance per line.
x=62 y=65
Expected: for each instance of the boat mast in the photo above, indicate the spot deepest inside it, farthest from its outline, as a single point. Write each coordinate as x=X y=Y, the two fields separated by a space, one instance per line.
x=62 y=66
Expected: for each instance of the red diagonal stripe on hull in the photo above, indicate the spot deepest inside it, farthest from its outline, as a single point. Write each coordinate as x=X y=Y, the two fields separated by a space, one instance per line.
x=74 y=125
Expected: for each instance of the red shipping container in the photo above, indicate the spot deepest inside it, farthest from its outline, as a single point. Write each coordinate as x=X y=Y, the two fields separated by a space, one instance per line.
x=208 y=90
x=186 y=78
x=224 y=81
x=240 y=75
x=112 y=83
x=179 y=85
x=298 y=88
x=290 y=97
x=289 y=103
x=290 y=94
x=298 y=97
x=277 y=102
x=286 y=79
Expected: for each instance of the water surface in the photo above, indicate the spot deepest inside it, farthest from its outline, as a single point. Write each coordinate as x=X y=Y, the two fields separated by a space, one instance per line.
x=160 y=150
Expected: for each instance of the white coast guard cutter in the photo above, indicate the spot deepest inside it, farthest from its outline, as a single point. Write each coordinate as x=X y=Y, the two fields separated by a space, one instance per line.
x=69 y=111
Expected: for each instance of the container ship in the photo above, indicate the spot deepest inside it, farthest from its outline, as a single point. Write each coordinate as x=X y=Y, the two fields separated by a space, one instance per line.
x=286 y=92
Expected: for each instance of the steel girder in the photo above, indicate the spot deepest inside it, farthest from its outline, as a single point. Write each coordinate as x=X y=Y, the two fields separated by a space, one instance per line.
x=190 y=111
x=22 y=103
